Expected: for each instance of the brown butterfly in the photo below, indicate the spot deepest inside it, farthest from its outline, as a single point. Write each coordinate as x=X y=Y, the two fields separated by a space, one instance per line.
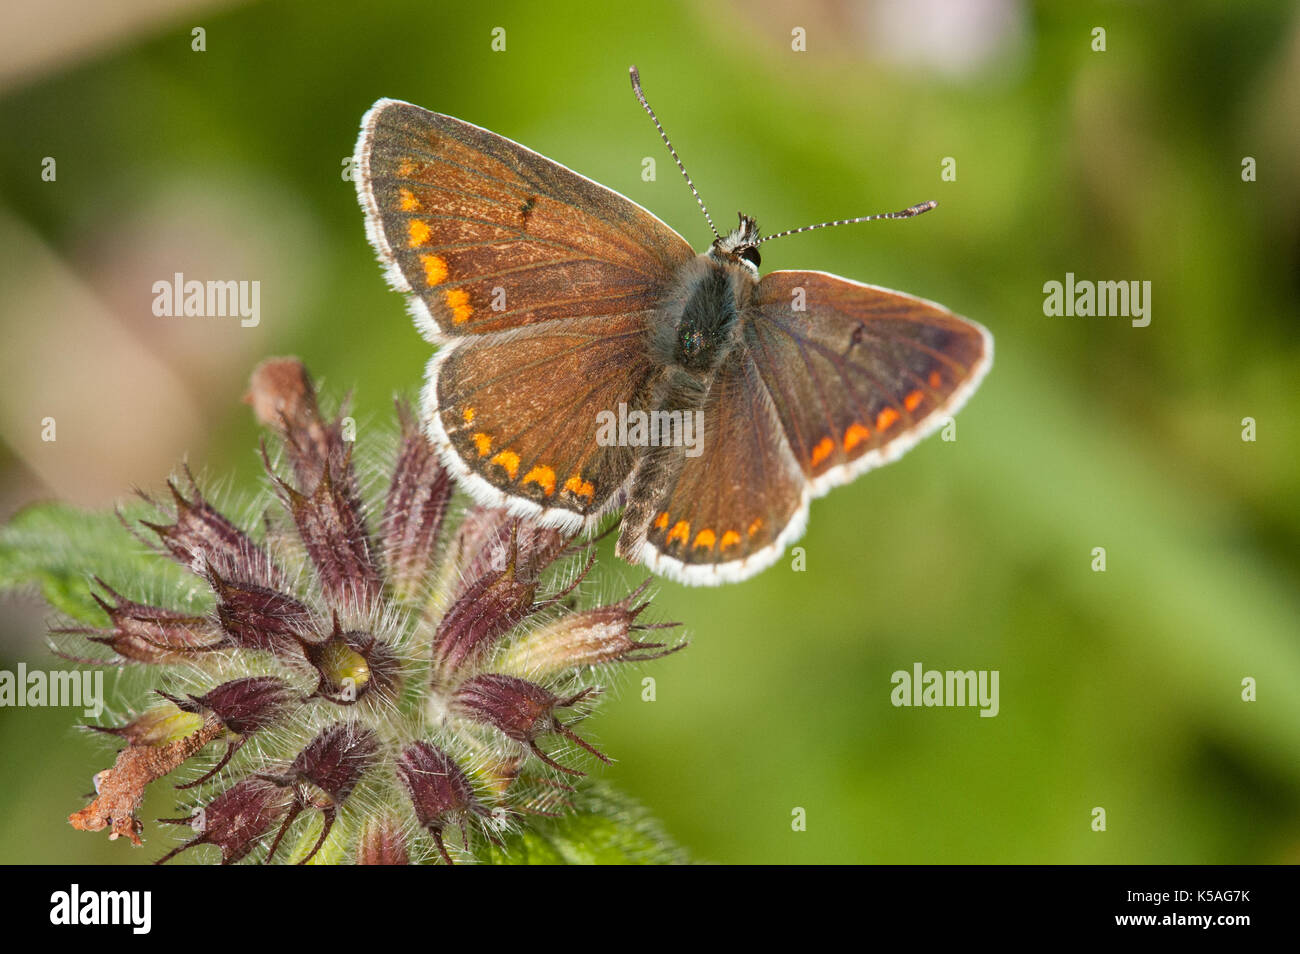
x=589 y=359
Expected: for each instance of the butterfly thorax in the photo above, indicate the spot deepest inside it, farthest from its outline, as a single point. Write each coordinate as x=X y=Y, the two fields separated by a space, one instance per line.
x=698 y=320
x=696 y=326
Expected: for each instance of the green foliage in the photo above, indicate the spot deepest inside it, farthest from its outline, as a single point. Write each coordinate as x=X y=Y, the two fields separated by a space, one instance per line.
x=606 y=829
x=59 y=549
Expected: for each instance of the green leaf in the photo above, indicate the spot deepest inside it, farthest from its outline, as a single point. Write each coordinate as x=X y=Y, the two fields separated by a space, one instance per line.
x=605 y=829
x=58 y=549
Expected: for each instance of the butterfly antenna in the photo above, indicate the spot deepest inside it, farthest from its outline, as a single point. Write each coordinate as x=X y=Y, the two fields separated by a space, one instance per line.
x=901 y=214
x=636 y=88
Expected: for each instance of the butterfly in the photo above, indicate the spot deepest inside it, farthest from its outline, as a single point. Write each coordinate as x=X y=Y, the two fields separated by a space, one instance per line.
x=589 y=359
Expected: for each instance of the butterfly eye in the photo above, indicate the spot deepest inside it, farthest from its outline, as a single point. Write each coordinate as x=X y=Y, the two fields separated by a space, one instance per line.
x=751 y=255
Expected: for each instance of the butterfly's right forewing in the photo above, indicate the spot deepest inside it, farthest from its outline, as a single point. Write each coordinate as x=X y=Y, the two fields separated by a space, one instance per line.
x=858 y=374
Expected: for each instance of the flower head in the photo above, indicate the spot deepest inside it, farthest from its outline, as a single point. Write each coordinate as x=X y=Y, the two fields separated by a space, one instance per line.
x=380 y=683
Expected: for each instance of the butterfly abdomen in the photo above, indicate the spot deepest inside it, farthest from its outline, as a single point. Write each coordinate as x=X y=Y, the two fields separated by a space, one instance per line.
x=695 y=329
x=678 y=391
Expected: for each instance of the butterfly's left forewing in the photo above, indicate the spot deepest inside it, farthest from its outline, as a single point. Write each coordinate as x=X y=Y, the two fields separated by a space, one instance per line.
x=538 y=283
x=487 y=235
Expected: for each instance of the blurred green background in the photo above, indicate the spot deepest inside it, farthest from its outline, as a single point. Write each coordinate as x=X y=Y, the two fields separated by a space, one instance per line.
x=1119 y=689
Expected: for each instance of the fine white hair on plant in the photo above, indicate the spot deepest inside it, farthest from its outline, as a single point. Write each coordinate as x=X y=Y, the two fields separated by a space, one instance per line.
x=336 y=677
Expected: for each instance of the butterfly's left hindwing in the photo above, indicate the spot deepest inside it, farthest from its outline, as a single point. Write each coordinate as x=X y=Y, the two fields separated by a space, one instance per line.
x=538 y=283
x=517 y=414
x=488 y=235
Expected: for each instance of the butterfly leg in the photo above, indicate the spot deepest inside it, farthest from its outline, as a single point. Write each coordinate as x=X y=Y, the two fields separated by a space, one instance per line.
x=678 y=393
x=656 y=472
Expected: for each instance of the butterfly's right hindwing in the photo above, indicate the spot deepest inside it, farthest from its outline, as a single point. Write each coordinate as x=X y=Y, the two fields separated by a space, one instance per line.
x=732 y=509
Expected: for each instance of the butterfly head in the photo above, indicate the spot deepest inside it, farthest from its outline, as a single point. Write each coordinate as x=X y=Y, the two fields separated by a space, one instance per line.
x=740 y=246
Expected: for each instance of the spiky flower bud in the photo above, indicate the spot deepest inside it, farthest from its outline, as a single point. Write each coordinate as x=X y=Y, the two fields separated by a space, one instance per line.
x=235 y=820
x=256 y=617
x=602 y=634
x=440 y=791
x=242 y=706
x=324 y=774
x=488 y=609
x=149 y=634
x=521 y=710
x=383 y=687
x=351 y=665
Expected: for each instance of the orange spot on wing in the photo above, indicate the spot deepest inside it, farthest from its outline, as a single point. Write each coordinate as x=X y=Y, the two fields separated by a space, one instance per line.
x=886 y=418
x=407 y=201
x=419 y=232
x=755 y=527
x=913 y=400
x=484 y=443
x=405 y=168
x=854 y=436
x=661 y=522
x=468 y=414
x=822 y=450
x=458 y=301
x=681 y=531
x=435 y=270
x=705 y=538
x=509 y=460
x=579 y=487
x=543 y=476
x=936 y=379
x=730 y=539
